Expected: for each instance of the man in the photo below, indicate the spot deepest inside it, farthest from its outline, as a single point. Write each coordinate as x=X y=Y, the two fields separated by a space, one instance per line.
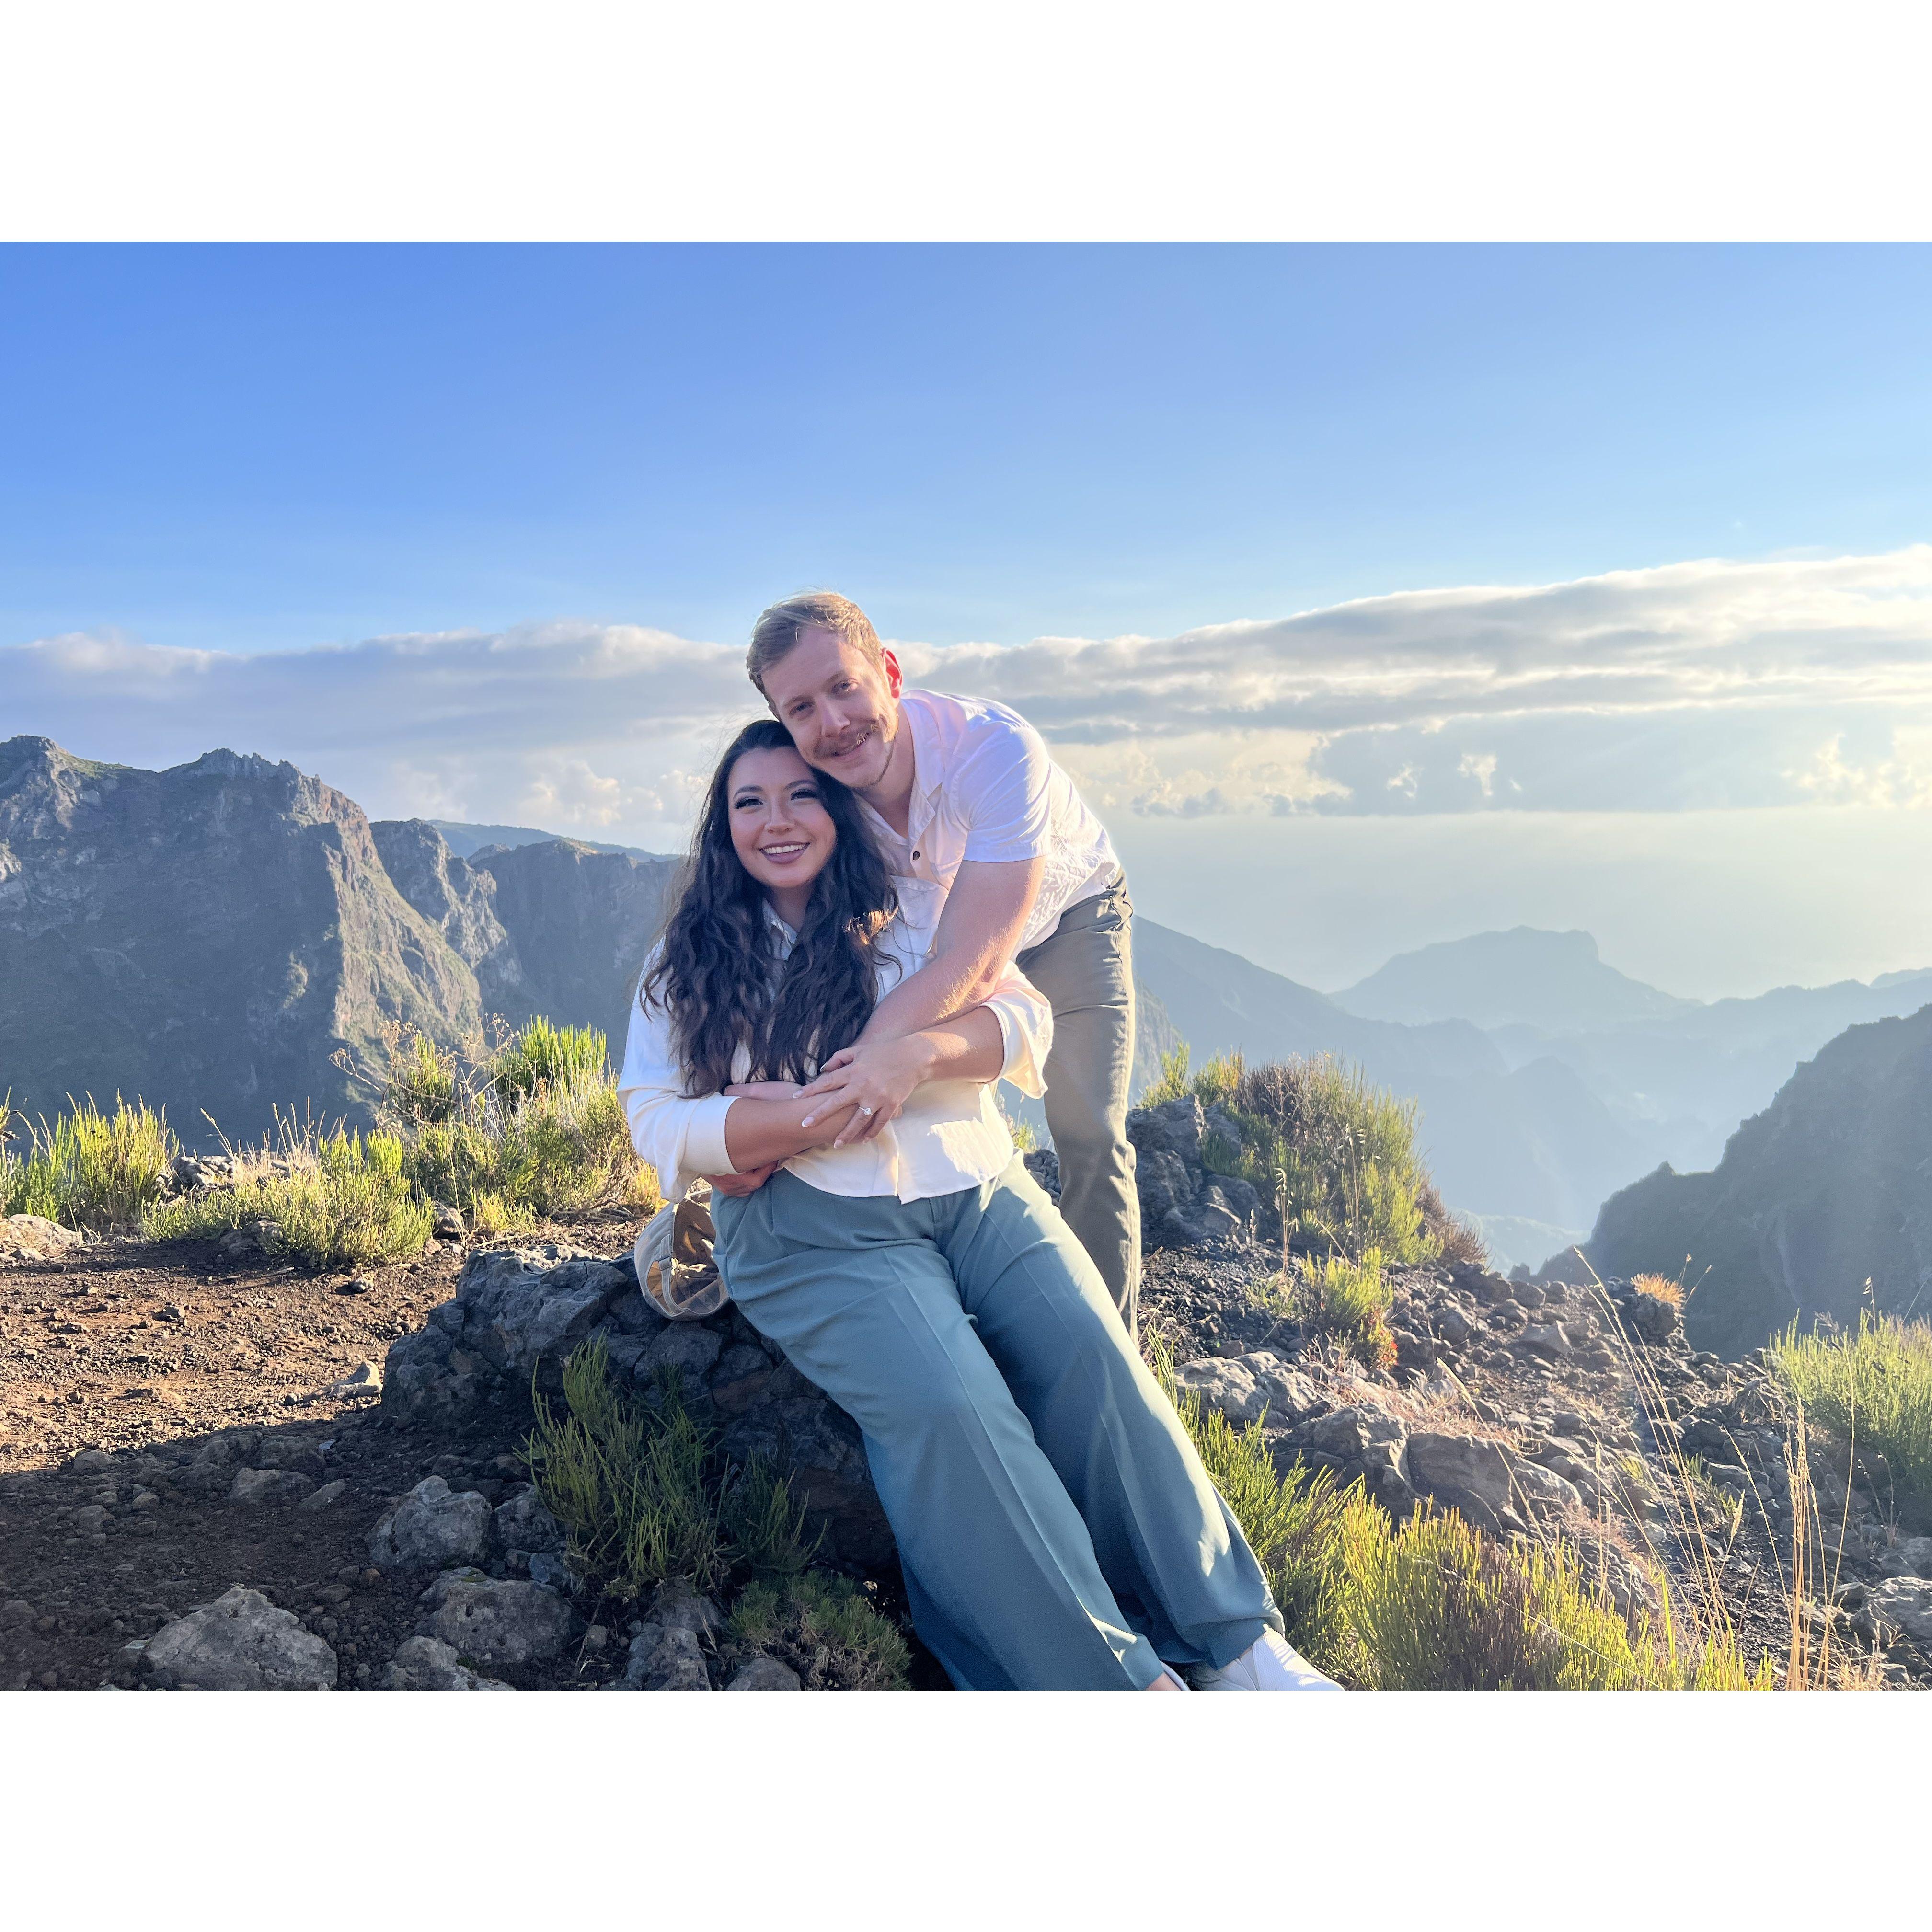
x=962 y=791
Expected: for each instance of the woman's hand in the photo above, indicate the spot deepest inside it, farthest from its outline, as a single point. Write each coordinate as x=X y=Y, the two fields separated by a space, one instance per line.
x=876 y=1076
x=739 y=1185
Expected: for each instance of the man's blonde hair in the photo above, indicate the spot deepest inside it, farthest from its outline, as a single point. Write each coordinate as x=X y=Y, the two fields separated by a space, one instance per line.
x=777 y=629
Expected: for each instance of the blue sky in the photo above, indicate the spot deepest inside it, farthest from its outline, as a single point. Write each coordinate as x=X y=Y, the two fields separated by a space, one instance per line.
x=250 y=449
x=1425 y=589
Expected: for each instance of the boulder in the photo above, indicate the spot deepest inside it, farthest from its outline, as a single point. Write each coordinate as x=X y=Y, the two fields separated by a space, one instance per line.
x=765 y=1673
x=518 y=1313
x=1544 y=1487
x=497 y=1621
x=33 y=1237
x=1904 y=1604
x=1654 y=1317
x=1229 y=1386
x=677 y=1606
x=1549 y=1338
x=522 y=1522
x=665 y=1657
x=329 y=1492
x=279 y=1487
x=427 y=1663
x=1469 y=1473
x=432 y=1526
x=240 y=1642
x=1364 y=1438
x=1292 y=1396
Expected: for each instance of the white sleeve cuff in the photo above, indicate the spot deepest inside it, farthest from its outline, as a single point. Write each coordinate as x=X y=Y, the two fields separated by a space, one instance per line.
x=704 y=1149
x=1026 y=1034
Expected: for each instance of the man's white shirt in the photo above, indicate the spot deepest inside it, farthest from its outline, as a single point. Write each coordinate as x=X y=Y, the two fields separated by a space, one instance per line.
x=985 y=788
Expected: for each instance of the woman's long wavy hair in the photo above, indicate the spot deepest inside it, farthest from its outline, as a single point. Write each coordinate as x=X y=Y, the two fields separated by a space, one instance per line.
x=718 y=973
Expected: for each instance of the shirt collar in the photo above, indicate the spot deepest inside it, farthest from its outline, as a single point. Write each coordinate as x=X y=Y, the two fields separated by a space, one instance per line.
x=926 y=775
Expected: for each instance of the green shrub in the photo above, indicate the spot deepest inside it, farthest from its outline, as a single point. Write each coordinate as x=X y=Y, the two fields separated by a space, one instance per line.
x=88 y=1169
x=1349 y=1301
x=532 y=1133
x=1872 y=1388
x=627 y=1483
x=822 y=1624
x=339 y=1200
x=1335 y=1153
x=766 y=1526
x=643 y=1500
x=542 y=1055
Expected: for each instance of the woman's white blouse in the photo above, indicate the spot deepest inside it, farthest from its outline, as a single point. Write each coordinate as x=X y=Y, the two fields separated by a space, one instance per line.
x=950 y=1135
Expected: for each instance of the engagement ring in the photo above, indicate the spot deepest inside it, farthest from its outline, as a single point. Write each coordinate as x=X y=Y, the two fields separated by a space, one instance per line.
x=864 y=1110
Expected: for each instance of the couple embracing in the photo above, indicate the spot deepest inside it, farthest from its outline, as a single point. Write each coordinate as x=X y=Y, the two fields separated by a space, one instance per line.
x=895 y=900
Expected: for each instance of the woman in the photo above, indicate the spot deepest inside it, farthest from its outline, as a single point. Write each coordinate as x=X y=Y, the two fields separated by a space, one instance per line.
x=1056 y=1528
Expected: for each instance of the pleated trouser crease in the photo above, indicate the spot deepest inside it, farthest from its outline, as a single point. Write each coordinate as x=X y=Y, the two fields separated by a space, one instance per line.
x=1055 y=1526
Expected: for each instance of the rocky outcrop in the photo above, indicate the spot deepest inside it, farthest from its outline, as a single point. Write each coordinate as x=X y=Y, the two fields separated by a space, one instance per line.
x=207 y=937
x=1822 y=1192
x=1184 y=1204
x=518 y=1312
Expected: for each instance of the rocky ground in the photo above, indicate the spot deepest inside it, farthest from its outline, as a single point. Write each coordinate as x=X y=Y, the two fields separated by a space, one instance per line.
x=216 y=1471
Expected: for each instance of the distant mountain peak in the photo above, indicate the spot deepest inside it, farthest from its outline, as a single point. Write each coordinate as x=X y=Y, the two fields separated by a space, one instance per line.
x=1556 y=982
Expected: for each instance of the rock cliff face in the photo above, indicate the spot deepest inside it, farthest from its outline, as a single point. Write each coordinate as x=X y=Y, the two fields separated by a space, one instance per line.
x=581 y=921
x=206 y=936
x=460 y=902
x=1829 y=1187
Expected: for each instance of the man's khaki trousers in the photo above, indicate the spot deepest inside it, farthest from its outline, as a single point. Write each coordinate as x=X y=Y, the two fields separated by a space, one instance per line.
x=1086 y=970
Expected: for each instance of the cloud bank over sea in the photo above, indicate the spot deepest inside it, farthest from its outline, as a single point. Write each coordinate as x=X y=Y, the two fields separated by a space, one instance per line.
x=1694 y=686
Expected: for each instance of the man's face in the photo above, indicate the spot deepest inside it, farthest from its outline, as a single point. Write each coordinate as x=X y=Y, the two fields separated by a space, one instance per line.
x=841 y=708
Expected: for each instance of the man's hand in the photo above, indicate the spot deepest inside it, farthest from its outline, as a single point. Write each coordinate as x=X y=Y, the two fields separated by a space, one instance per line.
x=876 y=1076
x=739 y=1185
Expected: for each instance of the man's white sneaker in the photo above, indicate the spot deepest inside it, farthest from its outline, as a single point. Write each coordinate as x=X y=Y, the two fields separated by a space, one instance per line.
x=1271 y=1662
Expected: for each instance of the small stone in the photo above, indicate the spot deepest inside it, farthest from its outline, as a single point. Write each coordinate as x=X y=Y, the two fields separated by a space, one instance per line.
x=90 y=1521
x=498 y=1621
x=365 y=1378
x=428 y=1663
x=765 y=1673
x=1904 y=1603
x=596 y=1637
x=432 y=1526
x=256 y=1487
x=326 y=1495
x=91 y=1463
x=13 y=1614
x=448 y=1224
x=360 y=1284
x=677 y=1605
x=665 y=1657
x=522 y=1522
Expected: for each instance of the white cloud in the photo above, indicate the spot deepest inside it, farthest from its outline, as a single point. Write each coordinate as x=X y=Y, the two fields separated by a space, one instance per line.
x=1480 y=766
x=1704 y=685
x=1904 y=778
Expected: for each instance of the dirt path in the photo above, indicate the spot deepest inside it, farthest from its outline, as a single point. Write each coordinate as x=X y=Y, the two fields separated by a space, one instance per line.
x=184 y=1367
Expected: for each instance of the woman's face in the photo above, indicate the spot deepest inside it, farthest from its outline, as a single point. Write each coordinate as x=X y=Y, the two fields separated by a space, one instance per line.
x=780 y=828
